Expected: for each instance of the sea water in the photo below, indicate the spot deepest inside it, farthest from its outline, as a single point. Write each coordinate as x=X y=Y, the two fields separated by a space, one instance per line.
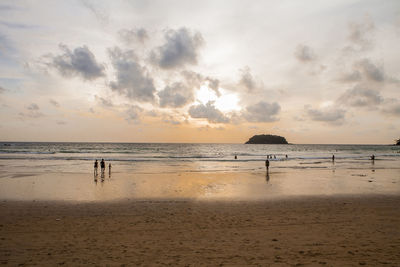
x=170 y=157
x=64 y=171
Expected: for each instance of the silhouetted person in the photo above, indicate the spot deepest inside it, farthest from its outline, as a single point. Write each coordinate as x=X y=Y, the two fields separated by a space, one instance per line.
x=109 y=170
x=333 y=157
x=235 y=156
x=102 y=166
x=373 y=157
x=267 y=165
x=96 y=165
x=286 y=156
x=274 y=156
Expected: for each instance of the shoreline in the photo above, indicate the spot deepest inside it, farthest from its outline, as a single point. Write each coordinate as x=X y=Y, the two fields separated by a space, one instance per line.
x=332 y=231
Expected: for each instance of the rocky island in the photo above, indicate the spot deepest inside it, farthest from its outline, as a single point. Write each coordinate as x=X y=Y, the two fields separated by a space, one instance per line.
x=267 y=139
x=398 y=142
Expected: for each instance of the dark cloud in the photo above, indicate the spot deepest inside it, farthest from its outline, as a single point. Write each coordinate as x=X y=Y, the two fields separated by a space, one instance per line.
x=246 y=80
x=180 y=48
x=370 y=70
x=133 y=114
x=176 y=95
x=213 y=84
x=133 y=35
x=209 y=112
x=334 y=116
x=103 y=101
x=32 y=111
x=304 y=53
x=79 y=62
x=360 y=96
x=365 y=70
x=54 y=103
x=262 y=112
x=132 y=80
x=360 y=33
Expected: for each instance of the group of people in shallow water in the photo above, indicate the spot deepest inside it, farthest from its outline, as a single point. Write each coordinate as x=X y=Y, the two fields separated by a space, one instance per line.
x=102 y=167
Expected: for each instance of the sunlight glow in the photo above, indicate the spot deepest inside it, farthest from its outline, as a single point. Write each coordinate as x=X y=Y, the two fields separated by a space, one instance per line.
x=228 y=101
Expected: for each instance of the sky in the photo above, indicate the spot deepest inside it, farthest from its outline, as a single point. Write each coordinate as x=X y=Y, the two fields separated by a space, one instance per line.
x=324 y=72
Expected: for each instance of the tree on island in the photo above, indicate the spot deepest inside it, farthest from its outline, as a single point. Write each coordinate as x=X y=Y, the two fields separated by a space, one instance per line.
x=267 y=139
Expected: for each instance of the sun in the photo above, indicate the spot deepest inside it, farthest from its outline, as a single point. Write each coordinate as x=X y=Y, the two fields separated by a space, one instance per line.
x=228 y=101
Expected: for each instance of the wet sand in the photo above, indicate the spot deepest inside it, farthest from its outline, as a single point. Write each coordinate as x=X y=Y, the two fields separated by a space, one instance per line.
x=319 y=231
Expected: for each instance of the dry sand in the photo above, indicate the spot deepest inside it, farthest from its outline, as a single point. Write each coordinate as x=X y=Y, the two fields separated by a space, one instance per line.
x=330 y=231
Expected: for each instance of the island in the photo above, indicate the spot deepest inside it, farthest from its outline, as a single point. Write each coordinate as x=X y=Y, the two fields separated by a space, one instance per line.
x=398 y=142
x=267 y=139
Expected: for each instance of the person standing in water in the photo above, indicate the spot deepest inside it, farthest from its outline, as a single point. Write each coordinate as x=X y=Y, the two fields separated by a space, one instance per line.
x=267 y=165
x=102 y=166
x=333 y=158
x=96 y=165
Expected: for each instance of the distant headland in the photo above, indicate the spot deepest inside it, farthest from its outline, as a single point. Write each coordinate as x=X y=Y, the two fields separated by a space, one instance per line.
x=267 y=139
x=398 y=142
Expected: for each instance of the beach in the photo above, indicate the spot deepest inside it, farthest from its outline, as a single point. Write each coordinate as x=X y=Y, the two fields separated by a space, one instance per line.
x=194 y=204
x=315 y=231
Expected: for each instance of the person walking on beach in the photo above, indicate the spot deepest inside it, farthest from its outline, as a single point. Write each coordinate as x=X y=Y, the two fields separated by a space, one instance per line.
x=96 y=165
x=267 y=165
x=333 y=158
x=373 y=157
x=109 y=170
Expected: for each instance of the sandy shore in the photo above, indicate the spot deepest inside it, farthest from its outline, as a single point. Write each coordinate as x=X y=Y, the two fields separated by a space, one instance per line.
x=335 y=231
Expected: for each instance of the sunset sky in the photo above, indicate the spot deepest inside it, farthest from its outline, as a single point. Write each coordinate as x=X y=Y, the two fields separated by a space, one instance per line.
x=200 y=71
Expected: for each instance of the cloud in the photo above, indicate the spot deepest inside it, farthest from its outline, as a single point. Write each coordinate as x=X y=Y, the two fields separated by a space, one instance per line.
x=32 y=111
x=100 y=14
x=133 y=114
x=171 y=120
x=175 y=95
x=213 y=84
x=370 y=70
x=195 y=80
x=16 y=25
x=133 y=35
x=180 y=48
x=360 y=33
x=79 y=62
x=366 y=70
x=132 y=80
x=360 y=96
x=304 y=53
x=262 y=112
x=209 y=112
x=246 y=80
x=392 y=107
x=54 y=103
x=330 y=115
x=104 y=102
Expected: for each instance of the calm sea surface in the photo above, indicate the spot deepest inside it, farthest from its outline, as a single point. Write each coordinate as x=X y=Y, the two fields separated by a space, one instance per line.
x=142 y=157
x=64 y=171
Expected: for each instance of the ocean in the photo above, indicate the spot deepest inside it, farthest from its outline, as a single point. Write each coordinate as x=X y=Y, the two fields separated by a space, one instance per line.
x=167 y=157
